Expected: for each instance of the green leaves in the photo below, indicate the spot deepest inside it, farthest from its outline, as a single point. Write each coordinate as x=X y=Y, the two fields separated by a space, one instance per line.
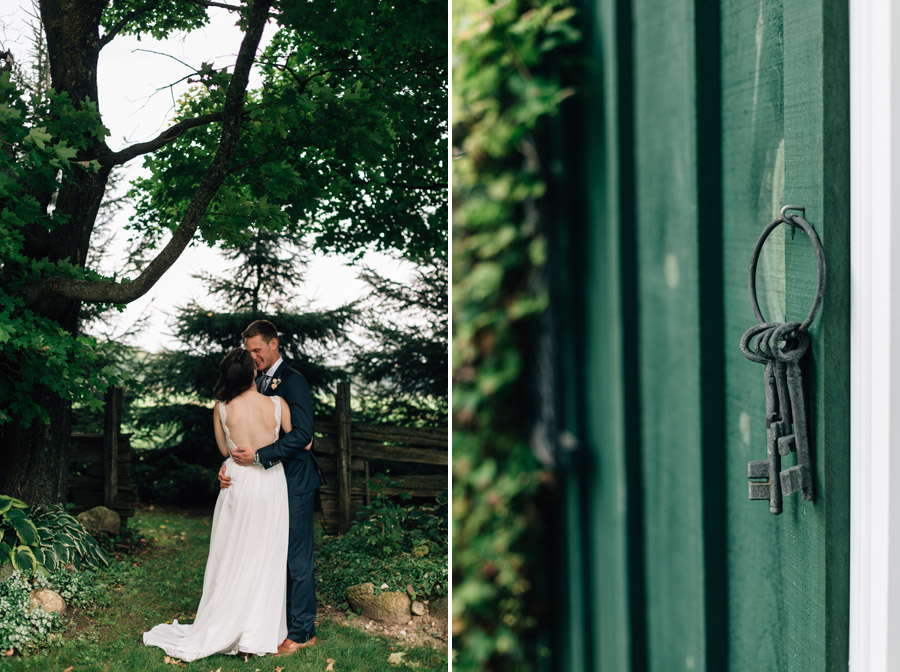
x=45 y=541
x=504 y=86
x=23 y=527
x=23 y=559
x=6 y=503
x=345 y=141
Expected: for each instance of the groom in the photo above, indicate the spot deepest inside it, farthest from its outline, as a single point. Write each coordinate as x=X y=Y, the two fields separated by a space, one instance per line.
x=301 y=471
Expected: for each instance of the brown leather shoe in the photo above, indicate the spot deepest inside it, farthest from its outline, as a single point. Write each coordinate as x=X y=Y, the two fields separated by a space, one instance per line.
x=287 y=647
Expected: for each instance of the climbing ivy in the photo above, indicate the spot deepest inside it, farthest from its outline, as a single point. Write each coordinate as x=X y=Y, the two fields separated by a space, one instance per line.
x=503 y=88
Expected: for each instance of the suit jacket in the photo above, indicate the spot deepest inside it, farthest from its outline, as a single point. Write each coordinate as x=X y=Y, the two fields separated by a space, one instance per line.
x=301 y=469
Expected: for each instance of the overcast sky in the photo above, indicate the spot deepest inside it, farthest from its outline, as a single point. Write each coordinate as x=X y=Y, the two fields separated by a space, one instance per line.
x=136 y=102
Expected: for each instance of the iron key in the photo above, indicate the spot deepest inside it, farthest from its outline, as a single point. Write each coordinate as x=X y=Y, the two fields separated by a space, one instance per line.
x=767 y=469
x=798 y=477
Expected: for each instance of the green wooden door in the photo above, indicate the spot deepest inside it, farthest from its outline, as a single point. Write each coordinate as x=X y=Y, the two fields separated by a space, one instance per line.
x=701 y=120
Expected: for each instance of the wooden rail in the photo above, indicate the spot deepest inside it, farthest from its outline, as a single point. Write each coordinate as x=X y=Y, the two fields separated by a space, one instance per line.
x=100 y=469
x=345 y=449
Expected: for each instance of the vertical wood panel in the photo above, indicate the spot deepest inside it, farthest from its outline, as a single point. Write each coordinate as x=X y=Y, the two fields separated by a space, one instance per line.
x=774 y=105
x=737 y=109
x=753 y=188
x=604 y=627
x=817 y=161
x=679 y=301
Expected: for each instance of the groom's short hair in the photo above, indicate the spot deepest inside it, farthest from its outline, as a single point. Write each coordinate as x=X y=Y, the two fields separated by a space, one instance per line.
x=262 y=328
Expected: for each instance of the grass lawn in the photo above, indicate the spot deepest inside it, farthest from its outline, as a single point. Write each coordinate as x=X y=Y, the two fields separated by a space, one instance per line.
x=165 y=583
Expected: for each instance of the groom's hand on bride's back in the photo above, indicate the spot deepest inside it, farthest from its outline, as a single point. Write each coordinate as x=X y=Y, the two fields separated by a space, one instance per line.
x=243 y=455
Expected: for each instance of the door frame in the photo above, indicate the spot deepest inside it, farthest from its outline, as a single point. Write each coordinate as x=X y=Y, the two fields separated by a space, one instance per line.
x=874 y=325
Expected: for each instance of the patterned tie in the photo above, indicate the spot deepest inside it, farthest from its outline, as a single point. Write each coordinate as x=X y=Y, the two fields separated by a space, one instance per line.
x=265 y=383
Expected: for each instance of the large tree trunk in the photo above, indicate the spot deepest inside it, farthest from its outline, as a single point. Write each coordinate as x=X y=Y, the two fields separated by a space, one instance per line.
x=34 y=460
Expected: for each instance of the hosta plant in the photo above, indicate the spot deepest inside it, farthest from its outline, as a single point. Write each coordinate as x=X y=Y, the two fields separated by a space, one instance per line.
x=64 y=540
x=19 y=536
x=44 y=541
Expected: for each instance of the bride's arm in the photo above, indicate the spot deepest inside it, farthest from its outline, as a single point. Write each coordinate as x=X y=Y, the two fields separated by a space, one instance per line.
x=219 y=432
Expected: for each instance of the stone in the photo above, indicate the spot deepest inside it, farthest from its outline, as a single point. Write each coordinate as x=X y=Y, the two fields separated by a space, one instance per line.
x=100 y=519
x=438 y=607
x=418 y=608
x=410 y=591
x=391 y=607
x=48 y=600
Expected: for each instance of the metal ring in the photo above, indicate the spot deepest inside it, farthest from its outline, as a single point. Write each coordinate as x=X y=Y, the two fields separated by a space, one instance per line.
x=755 y=330
x=794 y=220
x=780 y=332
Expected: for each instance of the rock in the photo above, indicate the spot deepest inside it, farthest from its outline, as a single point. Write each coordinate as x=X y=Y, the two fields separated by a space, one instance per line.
x=6 y=571
x=100 y=519
x=388 y=607
x=438 y=607
x=418 y=608
x=411 y=592
x=48 y=600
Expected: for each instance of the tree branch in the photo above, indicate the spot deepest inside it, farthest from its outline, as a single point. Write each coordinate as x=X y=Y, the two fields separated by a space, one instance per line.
x=125 y=20
x=209 y=3
x=232 y=114
x=137 y=149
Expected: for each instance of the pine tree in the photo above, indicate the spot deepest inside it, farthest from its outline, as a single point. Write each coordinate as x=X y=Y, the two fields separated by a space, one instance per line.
x=267 y=272
x=404 y=365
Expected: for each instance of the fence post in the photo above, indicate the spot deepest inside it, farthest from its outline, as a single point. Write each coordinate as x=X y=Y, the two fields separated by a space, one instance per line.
x=112 y=421
x=342 y=408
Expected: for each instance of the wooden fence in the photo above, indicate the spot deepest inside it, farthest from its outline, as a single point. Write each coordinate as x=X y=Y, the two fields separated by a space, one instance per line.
x=344 y=450
x=100 y=469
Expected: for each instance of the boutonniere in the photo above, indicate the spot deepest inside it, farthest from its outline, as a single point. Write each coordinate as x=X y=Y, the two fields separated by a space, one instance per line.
x=276 y=382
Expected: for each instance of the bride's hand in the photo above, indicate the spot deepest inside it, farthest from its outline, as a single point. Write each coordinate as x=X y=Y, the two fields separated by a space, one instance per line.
x=308 y=445
x=243 y=455
x=224 y=481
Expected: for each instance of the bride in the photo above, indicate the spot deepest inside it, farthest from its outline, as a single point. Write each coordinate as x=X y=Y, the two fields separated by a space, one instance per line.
x=242 y=608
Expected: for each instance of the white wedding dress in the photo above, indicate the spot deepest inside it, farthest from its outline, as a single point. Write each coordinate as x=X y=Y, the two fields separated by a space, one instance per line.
x=242 y=608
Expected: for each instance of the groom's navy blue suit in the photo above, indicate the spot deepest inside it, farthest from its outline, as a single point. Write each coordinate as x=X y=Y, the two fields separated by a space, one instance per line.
x=303 y=476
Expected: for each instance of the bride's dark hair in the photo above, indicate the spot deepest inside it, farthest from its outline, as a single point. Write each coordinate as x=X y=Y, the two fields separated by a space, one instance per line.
x=236 y=374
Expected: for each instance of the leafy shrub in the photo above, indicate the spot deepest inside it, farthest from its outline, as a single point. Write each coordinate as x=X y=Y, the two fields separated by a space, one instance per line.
x=18 y=535
x=22 y=628
x=391 y=544
x=341 y=563
x=180 y=475
x=386 y=528
x=505 y=87
x=44 y=541
x=64 y=540
x=80 y=589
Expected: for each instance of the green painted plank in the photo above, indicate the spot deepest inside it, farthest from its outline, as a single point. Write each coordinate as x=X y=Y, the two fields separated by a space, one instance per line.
x=753 y=179
x=817 y=159
x=782 y=569
x=603 y=623
x=679 y=267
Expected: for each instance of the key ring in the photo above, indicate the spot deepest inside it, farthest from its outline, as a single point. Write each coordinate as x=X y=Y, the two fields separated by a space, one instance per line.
x=750 y=352
x=796 y=221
